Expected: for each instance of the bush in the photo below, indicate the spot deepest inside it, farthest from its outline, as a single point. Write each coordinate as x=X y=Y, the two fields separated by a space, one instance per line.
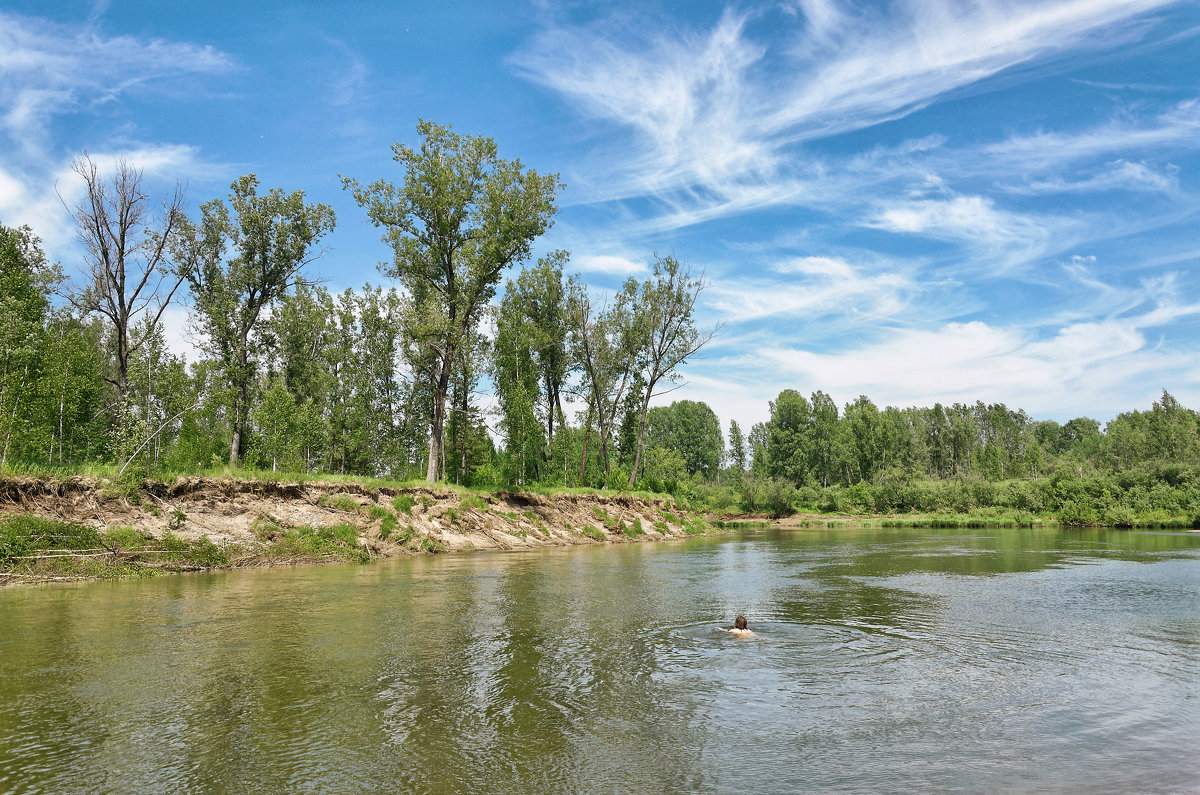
x=24 y=535
x=207 y=554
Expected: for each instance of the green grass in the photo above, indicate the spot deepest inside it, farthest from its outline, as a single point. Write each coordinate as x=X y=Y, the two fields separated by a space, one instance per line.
x=33 y=548
x=340 y=502
x=474 y=502
x=336 y=541
x=403 y=503
x=635 y=529
x=432 y=545
x=593 y=532
x=387 y=519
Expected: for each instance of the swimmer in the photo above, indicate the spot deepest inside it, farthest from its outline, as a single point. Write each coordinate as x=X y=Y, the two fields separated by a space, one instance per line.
x=739 y=628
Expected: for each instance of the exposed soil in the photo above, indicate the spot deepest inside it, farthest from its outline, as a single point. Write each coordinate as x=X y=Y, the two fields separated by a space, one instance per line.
x=232 y=511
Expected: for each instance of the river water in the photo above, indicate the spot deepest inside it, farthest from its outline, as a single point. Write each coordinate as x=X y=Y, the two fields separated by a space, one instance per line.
x=897 y=660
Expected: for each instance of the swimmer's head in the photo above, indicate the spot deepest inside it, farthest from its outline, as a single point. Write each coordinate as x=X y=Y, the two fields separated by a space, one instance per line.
x=739 y=622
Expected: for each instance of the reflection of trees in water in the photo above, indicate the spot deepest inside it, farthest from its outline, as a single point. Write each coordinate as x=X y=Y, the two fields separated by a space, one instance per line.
x=533 y=679
x=842 y=567
x=873 y=552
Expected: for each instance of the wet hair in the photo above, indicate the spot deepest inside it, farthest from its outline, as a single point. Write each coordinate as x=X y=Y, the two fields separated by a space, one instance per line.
x=739 y=622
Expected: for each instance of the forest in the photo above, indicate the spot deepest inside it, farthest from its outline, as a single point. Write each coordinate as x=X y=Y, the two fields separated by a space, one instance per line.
x=446 y=374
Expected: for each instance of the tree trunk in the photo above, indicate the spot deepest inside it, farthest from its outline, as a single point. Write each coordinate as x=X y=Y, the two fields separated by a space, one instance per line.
x=637 y=458
x=587 y=435
x=439 y=419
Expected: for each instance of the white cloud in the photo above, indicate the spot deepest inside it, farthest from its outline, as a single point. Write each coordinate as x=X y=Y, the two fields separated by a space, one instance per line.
x=607 y=263
x=718 y=114
x=998 y=238
x=178 y=332
x=1180 y=125
x=41 y=202
x=1118 y=175
x=48 y=70
x=829 y=286
x=1106 y=364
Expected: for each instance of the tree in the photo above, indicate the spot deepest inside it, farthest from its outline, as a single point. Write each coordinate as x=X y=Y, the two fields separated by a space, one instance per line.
x=126 y=271
x=533 y=315
x=666 y=315
x=605 y=347
x=269 y=240
x=515 y=376
x=461 y=216
x=788 y=438
x=25 y=282
x=277 y=423
x=691 y=430
x=823 y=438
x=869 y=455
x=737 y=446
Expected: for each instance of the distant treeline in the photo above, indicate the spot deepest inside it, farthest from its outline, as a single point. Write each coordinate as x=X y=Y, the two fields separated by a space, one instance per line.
x=809 y=442
x=1142 y=468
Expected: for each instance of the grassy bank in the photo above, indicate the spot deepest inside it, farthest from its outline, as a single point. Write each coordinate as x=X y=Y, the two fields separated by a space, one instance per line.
x=137 y=528
x=36 y=549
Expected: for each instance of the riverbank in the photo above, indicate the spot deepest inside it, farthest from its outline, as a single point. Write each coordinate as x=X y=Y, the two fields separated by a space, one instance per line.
x=95 y=528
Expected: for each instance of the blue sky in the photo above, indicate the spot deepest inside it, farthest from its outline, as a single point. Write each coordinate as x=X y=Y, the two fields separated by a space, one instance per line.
x=917 y=201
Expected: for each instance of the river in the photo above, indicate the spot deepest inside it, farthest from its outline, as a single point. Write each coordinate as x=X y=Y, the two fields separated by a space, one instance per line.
x=897 y=660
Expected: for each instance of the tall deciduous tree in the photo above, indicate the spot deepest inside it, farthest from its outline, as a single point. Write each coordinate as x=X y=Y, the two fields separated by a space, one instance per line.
x=238 y=261
x=25 y=282
x=126 y=273
x=533 y=316
x=461 y=216
x=666 y=310
x=737 y=446
x=605 y=347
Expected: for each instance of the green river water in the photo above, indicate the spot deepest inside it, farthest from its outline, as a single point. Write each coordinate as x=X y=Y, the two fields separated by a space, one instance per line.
x=885 y=660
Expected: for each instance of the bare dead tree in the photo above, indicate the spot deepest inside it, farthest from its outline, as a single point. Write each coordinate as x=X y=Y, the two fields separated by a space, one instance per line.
x=125 y=270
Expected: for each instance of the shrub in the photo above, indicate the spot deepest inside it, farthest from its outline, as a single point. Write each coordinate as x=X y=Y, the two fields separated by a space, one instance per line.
x=125 y=538
x=432 y=545
x=205 y=553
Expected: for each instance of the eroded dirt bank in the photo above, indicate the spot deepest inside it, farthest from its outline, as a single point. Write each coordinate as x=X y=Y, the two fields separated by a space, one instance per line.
x=250 y=515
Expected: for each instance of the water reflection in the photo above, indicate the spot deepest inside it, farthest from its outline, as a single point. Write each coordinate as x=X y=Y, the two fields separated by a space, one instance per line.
x=886 y=659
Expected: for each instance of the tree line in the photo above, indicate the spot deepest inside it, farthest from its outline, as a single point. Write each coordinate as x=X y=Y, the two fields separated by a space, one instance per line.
x=380 y=381
x=388 y=381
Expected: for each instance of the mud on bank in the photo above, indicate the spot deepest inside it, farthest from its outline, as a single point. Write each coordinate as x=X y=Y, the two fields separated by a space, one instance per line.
x=194 y=523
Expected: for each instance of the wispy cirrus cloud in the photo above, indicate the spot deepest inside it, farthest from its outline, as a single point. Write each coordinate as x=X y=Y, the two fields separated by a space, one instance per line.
x=47 y=70
x=50 y=70
x=1117 y=175
x=717 y=113
x=814 y=287
x=611 y=264
x=1048 y=151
